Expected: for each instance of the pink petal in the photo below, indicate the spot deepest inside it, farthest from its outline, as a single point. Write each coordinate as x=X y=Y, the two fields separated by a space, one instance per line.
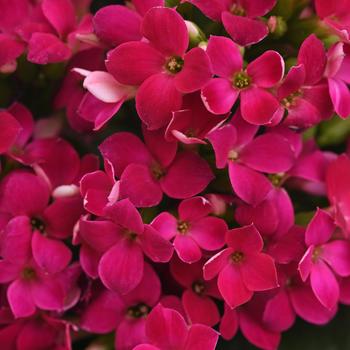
x=340 y=96
x=46 y=48
x=166 y=328
x=107 y=308
x=155 y=246
x=249 y=185
x=194 y=208
x=60 y=14
x=172 y=26
x=256 y=99
x=225 y=57
x=337 y=255
x=125 y=214
x=122 y=149
x=200 y=309
x=313 y=56
x=279 y=314
x=259 y=272
x=22 y=192
x=20 y=299
x=195 y=73
x=12 y=15
x=212 y=8
x=257 y=8
x=232 y=287
x=115 y=24
x=292 y=82
x=219 y=96
x=229 y=323
x=130 y=333
x=146 y=62
x=201 y=337
x=99 y=235
x=89 y=260
x=9 y=271
x=243 y=30
x=156 y=99
x=306 y=264
x=165 y=224
x=320 y=228
x=187 y=249
x=121 y=267
x=267 y=70
x=324 y=285
x=9 y=131
x=257 y=154
x=146 y=347
x=142 y=6
x=223 y=141
x=139 y=185
x=308 y=307
x=245 y=239
x=51 y=255
x=216 y=263
x=198 y=176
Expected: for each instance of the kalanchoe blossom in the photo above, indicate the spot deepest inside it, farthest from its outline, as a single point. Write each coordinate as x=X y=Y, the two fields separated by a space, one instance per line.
x=234 y=145
x=126 y=314
x=146 y=171
x=251 y=84
x=242 y=268
x=324 y=259
x=161 y=66
x=193 y=230
x=166 y=329
x=240 y=18
x=122 y=243
x=197 y=297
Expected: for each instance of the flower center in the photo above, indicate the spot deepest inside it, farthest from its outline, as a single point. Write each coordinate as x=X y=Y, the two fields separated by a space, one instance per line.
x=276 y=179
x=291 y=100
x=237 y=10
x=174 y=64
x=232 y=155
x=138 y=311
x=182 y=227
x=241 y=80
x=316 y=254
x=28 y=273
x=157 y=171
x=237 y=257
x=37 y=224
x=198 y=287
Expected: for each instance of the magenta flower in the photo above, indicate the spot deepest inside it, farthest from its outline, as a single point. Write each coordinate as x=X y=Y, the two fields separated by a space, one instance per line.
x=251 y=84
x=197 y=298
x=246 y=157
x=324 y=259
x=339 y=190
x=160 y=66
x=193 y=230
x=240 y=18
x=115 y=24
x=126 y=314
x=122 y=243
x=146 y=171
x=10 y=129
x=242 y=268
x=337 y=72
x=193 y=122
x=166 y=329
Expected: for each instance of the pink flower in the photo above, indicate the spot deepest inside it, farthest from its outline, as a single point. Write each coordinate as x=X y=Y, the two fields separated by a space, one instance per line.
x=166 y=329
x=242 y=268
x=122 y=243
x=247 y=158
x=146 y=171
x=251 y=84
x=324 y=259
x=338 y=188
x=116 y=24
x=160 y=66
x=193 y=230
x=337 y=72
x=197 y=297
x=240 y=18
x=126 y=314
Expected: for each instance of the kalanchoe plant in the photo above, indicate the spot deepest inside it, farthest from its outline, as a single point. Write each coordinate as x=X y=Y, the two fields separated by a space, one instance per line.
x=174 y=175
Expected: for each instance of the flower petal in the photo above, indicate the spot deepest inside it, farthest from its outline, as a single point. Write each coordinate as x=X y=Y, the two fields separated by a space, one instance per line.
x=340 y=96
x=337 y=255
x=20 y=299
x=245 y=239
x=201 y=337
x=187 y=249
x=216 y=263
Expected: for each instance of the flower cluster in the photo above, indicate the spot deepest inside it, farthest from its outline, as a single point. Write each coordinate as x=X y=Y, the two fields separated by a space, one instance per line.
x=188 y=178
